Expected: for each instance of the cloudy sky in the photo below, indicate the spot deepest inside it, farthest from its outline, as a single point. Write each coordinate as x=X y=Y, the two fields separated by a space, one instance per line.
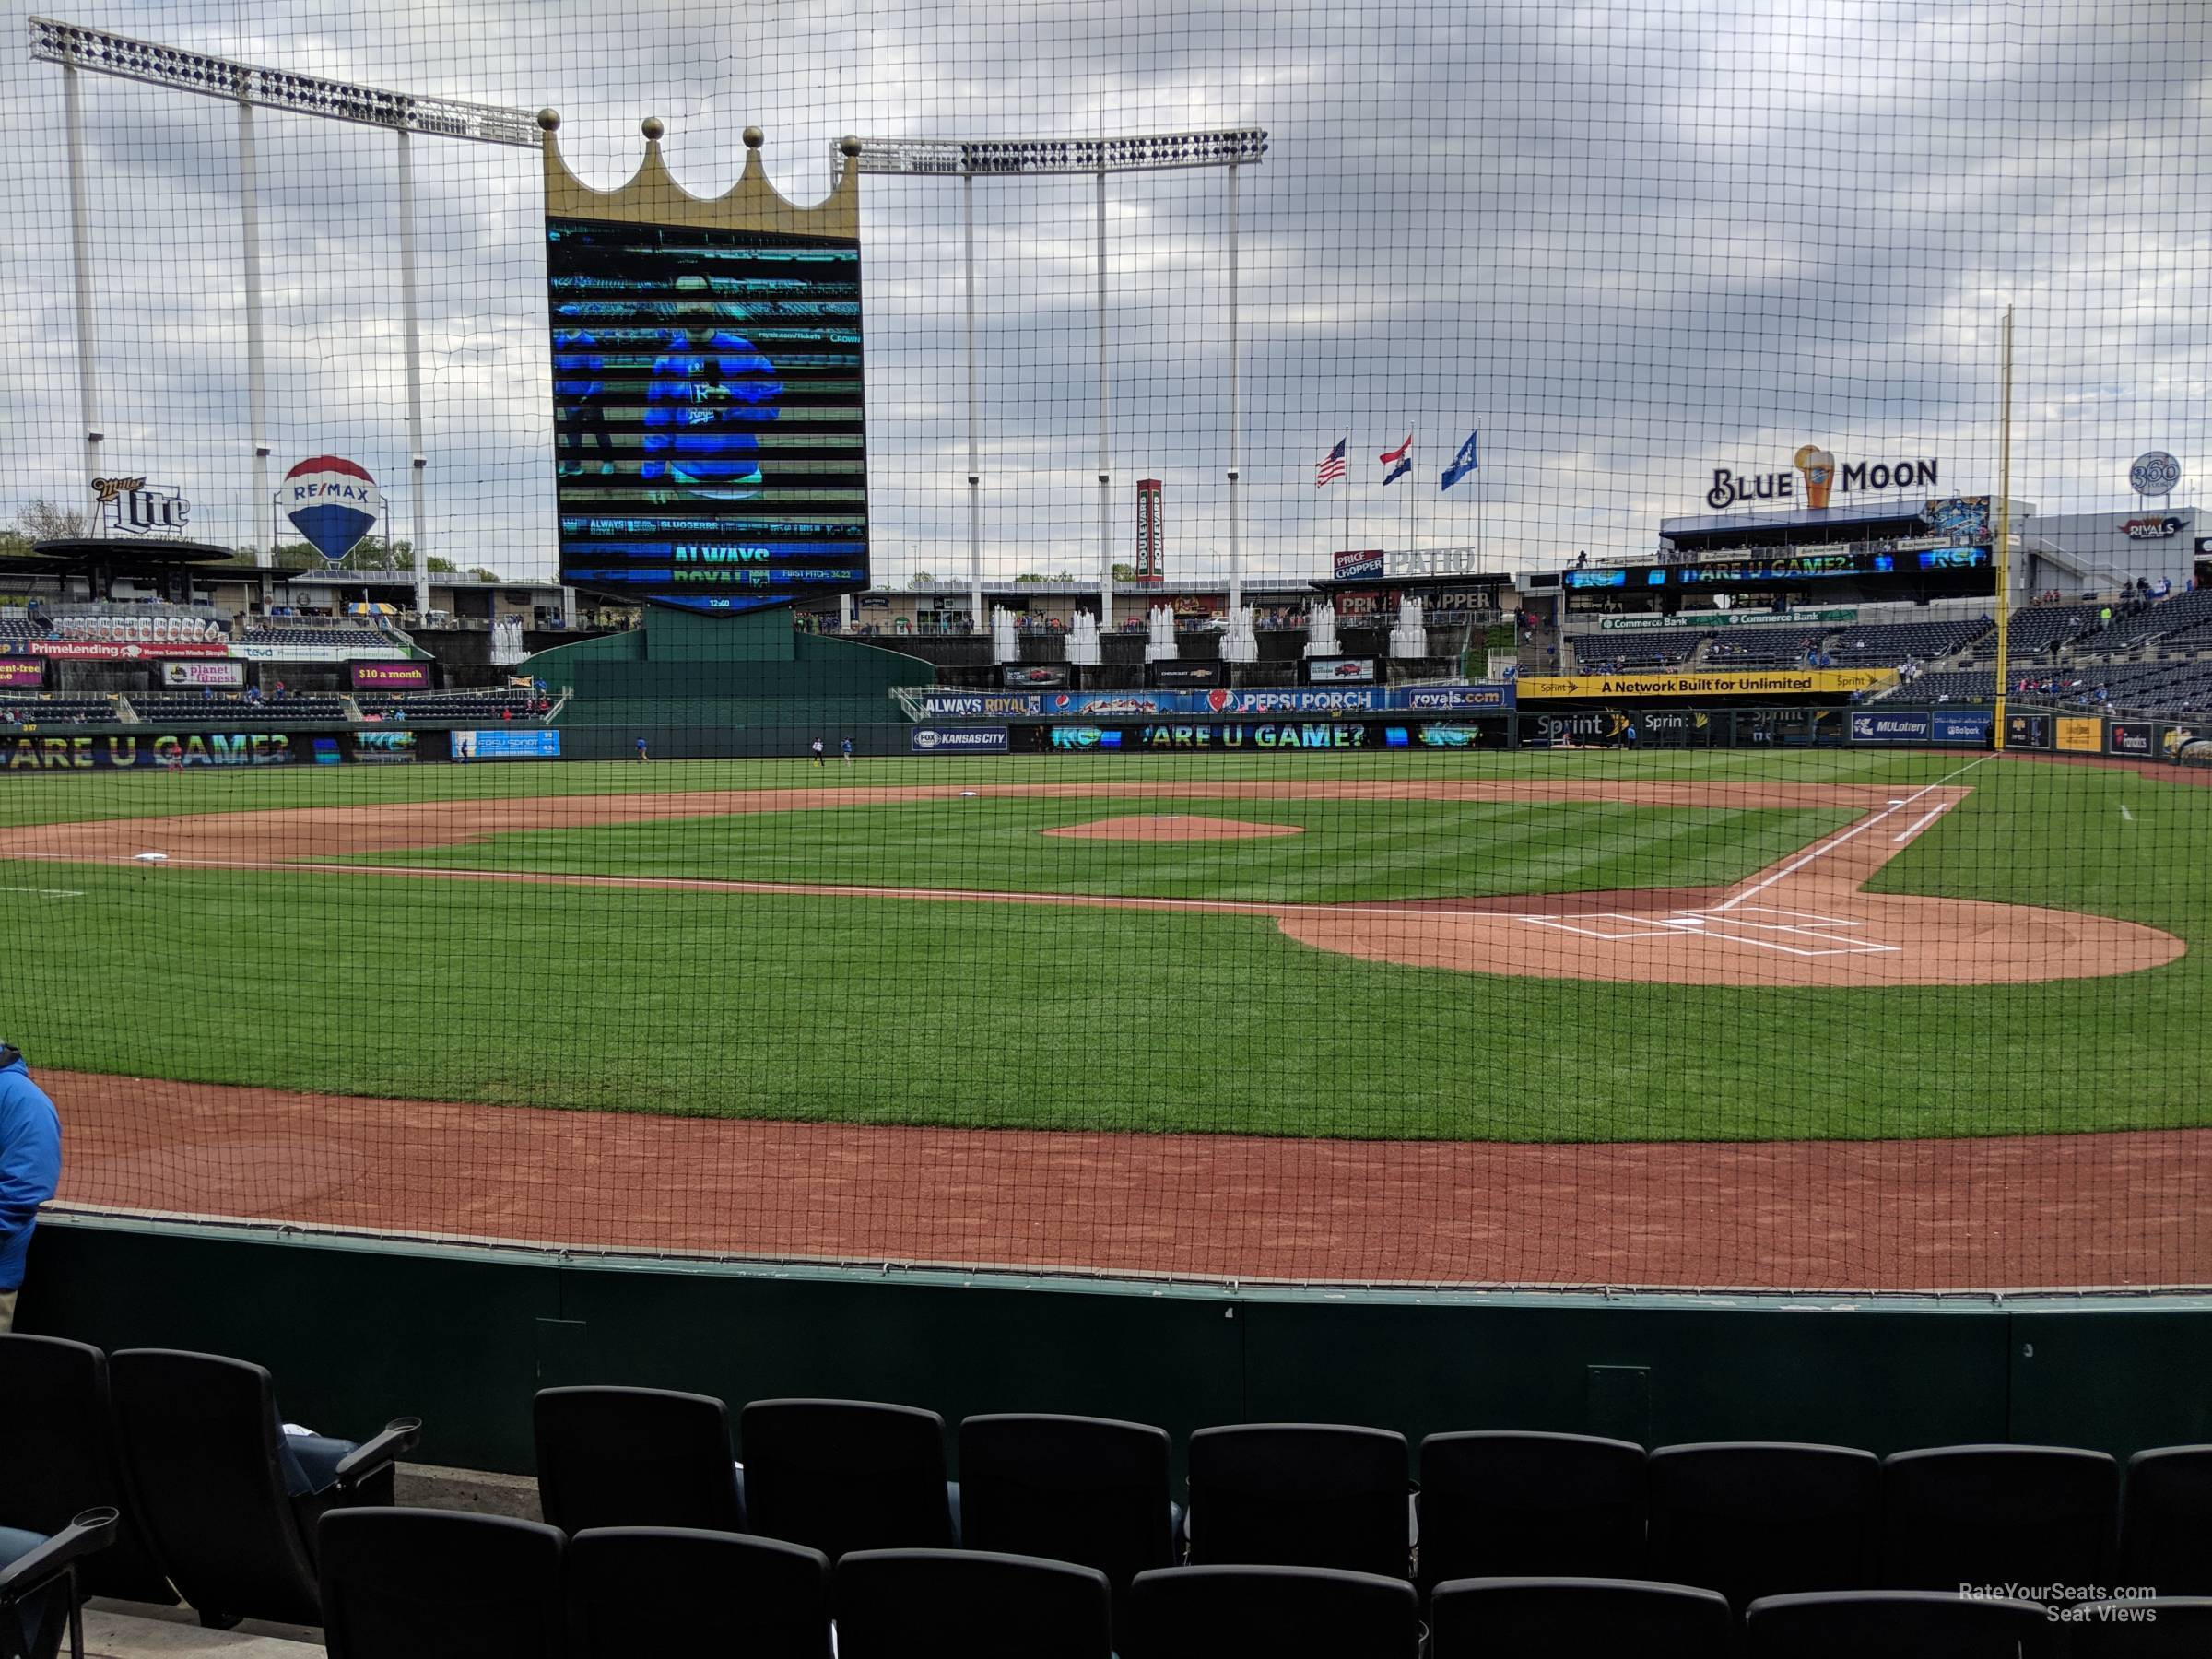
x=1630 y=242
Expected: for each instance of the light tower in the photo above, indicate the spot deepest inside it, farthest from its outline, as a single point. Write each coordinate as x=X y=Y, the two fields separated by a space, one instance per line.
x=964 y=159
x=251 y=86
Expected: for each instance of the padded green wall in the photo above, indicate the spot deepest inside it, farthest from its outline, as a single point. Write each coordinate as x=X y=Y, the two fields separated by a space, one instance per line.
x=357 y=1332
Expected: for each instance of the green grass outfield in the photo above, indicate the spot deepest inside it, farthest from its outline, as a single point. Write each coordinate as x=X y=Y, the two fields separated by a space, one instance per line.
x=914 y=1012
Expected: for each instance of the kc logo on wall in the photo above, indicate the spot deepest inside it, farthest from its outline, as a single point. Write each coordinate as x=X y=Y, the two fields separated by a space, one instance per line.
x=129 y=507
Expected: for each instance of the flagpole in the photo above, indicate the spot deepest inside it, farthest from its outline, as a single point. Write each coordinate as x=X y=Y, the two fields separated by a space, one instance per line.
x=1346 y=543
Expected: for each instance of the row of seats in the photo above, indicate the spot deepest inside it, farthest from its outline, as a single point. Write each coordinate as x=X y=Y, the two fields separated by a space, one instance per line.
x=56 y=710
x=223 y=1503
x=262 y=633
x=407 y=1583
x=1891 y=644
x=174 y=707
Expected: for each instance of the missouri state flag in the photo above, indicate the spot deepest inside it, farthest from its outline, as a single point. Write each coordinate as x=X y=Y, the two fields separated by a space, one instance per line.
x=1399 y=461
x=1332 y=465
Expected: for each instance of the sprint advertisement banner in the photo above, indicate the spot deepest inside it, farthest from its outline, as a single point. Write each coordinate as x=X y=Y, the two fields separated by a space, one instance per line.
x=1803 y=682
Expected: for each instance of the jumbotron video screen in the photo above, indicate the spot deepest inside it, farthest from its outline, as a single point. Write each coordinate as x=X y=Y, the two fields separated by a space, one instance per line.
x=708 y=414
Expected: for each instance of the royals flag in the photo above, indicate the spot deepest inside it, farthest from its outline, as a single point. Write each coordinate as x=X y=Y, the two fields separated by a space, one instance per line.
x=1461 y=463
x=1332 y=465
x=1399 y=461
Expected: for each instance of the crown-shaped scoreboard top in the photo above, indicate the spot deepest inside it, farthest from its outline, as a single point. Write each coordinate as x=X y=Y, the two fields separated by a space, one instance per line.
x=652 y=195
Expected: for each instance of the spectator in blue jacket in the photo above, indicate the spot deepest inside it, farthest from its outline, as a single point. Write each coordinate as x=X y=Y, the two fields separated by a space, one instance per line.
x=30 y=1168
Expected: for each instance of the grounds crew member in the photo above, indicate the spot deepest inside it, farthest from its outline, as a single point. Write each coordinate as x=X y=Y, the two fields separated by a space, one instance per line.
x=30 y=1168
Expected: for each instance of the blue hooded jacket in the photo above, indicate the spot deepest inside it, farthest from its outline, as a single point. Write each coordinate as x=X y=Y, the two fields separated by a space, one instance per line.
x=30 y=1161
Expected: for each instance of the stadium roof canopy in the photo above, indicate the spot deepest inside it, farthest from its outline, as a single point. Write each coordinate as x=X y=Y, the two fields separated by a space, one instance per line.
x=1797 y=525
x=76 y=555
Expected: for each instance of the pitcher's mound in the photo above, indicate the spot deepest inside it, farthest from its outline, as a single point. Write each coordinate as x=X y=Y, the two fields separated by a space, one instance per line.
x=1173 y=825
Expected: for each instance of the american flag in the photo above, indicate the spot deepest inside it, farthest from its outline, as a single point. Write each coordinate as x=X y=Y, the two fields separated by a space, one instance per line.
x=1331 y=468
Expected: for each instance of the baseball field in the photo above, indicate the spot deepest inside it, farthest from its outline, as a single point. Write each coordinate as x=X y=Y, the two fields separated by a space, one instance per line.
x=1573 y=950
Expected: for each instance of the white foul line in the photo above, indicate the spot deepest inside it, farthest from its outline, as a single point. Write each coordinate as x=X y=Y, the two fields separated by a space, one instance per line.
x=1830 y=846
x=1923 y=823
x=2126 y=813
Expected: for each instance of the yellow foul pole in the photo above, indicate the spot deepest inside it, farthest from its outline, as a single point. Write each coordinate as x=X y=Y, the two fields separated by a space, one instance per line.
x=2001 y=555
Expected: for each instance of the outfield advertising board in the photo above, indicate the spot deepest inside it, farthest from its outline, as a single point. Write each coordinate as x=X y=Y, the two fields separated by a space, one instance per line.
x=1883 y=725
x=1340 y=671
x=957 y=740
x=1219 y=702
x=1800 y=617
x=2080 y=735
x=506 y=743
x=117 y=651
x=1193 y=736
x=2132 y=737
x=2026 y=731
x=22 y=673
x=232 y=674
x=132 y=752
x=1807 y=682
x=389 y=677
x=1968 y=726
x=1033 y=677
x=1170 y=674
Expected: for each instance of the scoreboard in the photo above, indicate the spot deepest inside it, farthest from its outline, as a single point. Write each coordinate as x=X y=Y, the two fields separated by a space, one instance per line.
x=711 y=451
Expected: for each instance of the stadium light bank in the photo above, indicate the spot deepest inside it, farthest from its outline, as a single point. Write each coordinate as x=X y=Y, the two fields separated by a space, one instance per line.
x=95 y=50
x=966 y=158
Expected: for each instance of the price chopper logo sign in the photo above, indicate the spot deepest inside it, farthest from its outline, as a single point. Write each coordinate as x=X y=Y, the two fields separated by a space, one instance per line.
x=1821 y=475
x=129 y=506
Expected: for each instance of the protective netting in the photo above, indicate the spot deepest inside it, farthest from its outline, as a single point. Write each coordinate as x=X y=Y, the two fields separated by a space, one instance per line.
x=1364 y=643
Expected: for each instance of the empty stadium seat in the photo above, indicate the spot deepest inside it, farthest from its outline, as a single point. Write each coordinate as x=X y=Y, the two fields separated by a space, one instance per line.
x=1998 y=1514
x=57 y=1458
x=635 y=1458
x=845 y=1475
x=38 y=1589
x=1476 y=1618
x=964 y=1604
x=229 y=1500
x=1896 y=1624
x=1278 y=1612
x=1500 y=1504
x=652 y=1590
x=1753 y=1518
x=1300 y=1495
x=1074 y=1489
x=2164 y=1627
x=2165 y=1521
x=416 y=1583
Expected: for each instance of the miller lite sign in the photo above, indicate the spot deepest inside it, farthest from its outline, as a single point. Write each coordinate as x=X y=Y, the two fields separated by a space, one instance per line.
x=130 y=507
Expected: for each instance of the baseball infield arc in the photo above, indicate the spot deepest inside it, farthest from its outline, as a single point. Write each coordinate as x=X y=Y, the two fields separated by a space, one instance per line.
x=1805 y=921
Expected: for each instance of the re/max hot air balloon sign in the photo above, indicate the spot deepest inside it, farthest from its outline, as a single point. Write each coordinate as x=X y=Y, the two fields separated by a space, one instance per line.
x=331 y=502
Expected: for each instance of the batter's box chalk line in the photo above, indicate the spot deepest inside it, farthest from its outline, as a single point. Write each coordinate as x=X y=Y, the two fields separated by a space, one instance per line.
x=1793 y=933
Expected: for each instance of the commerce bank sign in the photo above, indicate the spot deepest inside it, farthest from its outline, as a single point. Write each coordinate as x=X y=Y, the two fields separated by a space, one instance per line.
x=1820 y=474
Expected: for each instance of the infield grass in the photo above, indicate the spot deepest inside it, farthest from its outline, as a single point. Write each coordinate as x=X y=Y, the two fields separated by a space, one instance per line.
x=899 y=1011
